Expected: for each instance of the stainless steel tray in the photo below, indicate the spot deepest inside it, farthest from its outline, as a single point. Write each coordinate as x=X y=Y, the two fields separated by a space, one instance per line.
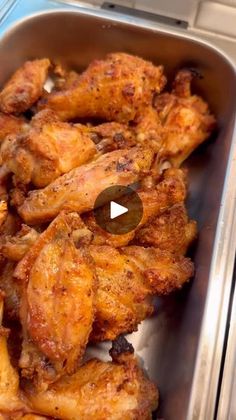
x=181 y=347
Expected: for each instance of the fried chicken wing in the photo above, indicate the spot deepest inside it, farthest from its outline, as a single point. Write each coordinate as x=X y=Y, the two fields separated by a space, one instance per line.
x=111 y=136
x=156 y=200
x=77 y=190
x=57 y=307
x=127 y=278
x=14 y=247
x=49 y=149
x=12 y=289
x=171 y=231
x=10 y=125
x=112 y=89
x=9 y=380
x=25 y=87
x=185 y=118
x=99 y=390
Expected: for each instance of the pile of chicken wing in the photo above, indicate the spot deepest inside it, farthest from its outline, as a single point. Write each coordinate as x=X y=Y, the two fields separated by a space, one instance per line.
x=64 y=281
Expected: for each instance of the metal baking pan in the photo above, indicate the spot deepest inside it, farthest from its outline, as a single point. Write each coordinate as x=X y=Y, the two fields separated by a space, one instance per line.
x=181 y=347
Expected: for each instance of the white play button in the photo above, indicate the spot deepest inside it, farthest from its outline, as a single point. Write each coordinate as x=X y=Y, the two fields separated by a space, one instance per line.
x=117 y=210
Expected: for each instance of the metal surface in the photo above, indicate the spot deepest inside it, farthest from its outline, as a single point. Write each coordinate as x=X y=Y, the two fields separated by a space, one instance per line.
x=181 y=347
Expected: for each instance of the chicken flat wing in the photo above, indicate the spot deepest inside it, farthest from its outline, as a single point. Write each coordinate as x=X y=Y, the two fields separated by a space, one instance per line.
x=112 y=89
x=163 y=271
x=99 y=390
x=14 y=247
x=171 y=231
x=127 y=278
x=25 y=87
x=78 y=189
x=9 y=380
x=186 y=120
x=156 y=200
x=57 y=307
x=10 y=125
x=49 y=149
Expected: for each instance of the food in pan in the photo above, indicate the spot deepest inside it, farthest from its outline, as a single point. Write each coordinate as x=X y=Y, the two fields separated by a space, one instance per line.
x=65 y=281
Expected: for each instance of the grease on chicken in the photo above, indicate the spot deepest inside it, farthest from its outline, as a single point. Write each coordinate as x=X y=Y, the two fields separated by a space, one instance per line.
x=24 y=87
x=49 y=149
x=112 y=89
x=104 y=390
x=77 y=190
x=57 y=307
x=185 y=118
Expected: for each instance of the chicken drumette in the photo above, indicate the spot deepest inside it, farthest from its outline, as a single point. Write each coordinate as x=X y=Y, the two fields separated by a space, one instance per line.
x=185 y=118
x=25 y=87
x=112 y=89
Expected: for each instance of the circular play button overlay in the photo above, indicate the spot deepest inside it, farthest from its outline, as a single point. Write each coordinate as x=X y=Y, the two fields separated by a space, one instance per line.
x=118 y=209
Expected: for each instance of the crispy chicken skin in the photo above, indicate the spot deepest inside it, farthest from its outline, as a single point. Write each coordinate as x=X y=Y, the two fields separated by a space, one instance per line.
x=156 y=200
x=171 y=231
x=77 y=190
x=25 y=87
x=9 y=380
x=185 y=118
x=57 y=307
x=99 y=390
x=112 y=89
x=127 y=278
x=49 y=149
x=14 y=247
x=111 y=136
x=11 y=125
x=12 y=289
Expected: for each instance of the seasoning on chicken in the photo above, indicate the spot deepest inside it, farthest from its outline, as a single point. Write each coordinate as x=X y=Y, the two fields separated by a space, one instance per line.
x=105 y=390
x=155 y=200
x=57 y=307
x=11 y=125
x=78 y=189
x=9 y=380
x=47 y=150
x=127 y=279
x=171 y=231
x=186 y=119
x=25 y=87
x=112 y=89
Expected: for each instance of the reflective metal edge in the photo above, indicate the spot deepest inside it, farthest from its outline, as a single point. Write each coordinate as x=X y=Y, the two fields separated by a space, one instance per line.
x=227 y=403
x=209 y=353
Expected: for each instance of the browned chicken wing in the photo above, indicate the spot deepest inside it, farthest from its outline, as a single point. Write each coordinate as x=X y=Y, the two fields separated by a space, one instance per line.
x=25 y=87
x=171 y=231
x=57 y=307
x=112 y=89
x=127 y=278
x=78 y=189
x=99 y=390
x=185 y=118
x=11 y=125
x=156 y=200
x=9 y=380
x=49 y=149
